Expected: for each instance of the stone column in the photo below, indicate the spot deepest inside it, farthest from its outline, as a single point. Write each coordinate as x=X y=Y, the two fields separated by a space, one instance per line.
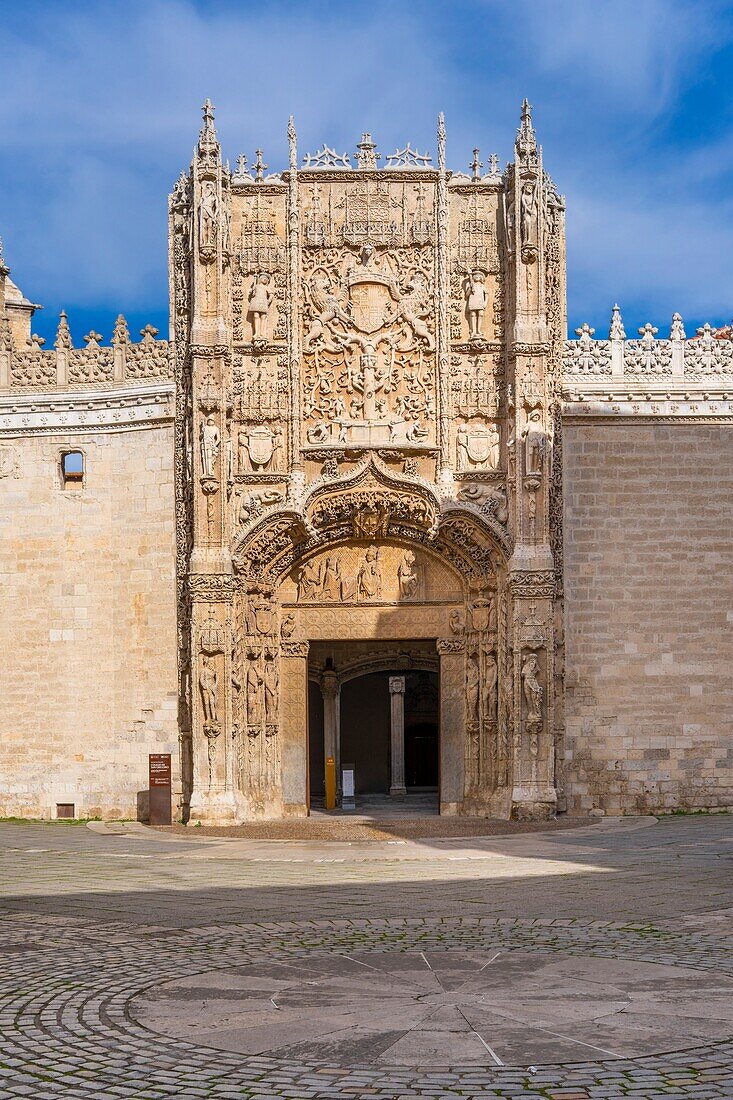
x=331 y=692
x=294 y=727
x=452 y=724
x=397 y=735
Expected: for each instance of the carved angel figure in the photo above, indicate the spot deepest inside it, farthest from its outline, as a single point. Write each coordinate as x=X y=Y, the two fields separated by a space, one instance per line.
x=208 y=683
x=532 y=688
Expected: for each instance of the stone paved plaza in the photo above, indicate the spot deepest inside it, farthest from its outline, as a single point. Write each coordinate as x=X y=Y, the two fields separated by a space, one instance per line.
x=588 y=963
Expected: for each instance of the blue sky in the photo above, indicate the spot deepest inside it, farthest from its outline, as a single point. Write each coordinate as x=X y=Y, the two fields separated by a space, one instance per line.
x=633 y=103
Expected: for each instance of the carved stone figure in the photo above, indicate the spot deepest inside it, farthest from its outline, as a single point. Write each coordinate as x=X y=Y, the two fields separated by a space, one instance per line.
x=309 y=581
x=208 y=683
x=415 y=307
x=210 y=443
x=287 y=627
x=527 y=205
x=473 y=679
x=369 y=577
x=260 y=300
x=331 y=580
x=476 y=301
x=208 y=216
x=531 y=687
x=535 y=444
x=271 y=684
x=254 y=695
x=491 y=677
x=408 y=576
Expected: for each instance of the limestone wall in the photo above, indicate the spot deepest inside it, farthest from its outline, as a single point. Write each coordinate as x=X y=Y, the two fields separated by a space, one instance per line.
x=649 y=615
x=87 y=617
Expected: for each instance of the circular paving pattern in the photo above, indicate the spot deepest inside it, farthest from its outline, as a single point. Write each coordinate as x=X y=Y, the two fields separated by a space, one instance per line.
x=135 y=1012
x=485 y=1007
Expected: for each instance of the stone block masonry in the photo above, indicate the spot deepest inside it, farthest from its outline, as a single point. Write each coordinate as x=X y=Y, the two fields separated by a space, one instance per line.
x=649 y=599
x=87 y=622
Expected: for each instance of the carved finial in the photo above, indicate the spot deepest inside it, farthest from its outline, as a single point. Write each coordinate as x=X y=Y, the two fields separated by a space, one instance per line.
x=36 y=342
x=3 y=266
x=208 y=142
x=148 y=333
x=494 y=164
x=241 y=169
x=476 y=165
x=121 y=334
x=616 y=329
x=259 y=166
x=585 y=333
x=647 y=333
x=441 y=142
x=92 y=339
x=209 y=129
x=292 y=145
x=366 y=152
x=677 y=331
x=526 y=142
x=63 y=334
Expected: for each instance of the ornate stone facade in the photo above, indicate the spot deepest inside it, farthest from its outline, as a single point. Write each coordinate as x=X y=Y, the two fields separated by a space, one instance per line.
x=370 y=376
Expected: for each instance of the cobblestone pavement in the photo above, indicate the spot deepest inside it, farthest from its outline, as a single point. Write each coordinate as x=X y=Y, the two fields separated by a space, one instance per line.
x=101 y=934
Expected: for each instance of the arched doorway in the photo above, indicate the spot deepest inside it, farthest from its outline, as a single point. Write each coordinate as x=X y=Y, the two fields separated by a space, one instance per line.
x=379 y=714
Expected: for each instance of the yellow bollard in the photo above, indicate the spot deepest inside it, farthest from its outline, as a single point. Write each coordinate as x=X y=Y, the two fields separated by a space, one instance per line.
x=330 y=783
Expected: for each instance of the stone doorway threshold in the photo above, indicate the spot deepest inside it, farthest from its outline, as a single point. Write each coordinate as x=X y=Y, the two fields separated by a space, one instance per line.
x=382 y=807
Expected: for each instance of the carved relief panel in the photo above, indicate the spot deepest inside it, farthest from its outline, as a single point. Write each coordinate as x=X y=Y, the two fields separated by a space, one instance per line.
x=368 y=316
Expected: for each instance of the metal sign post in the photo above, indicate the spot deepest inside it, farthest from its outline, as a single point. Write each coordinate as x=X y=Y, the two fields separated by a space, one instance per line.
x=159 y=787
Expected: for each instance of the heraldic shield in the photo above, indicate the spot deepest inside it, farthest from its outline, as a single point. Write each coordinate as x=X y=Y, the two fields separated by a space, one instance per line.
x=478 y=444
x=260 y=444
x=369 y=299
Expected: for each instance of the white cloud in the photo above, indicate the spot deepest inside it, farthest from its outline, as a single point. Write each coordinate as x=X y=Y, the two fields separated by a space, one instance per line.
x=99 y=113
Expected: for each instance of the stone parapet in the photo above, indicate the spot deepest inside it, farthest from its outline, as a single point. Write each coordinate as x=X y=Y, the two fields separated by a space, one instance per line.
x=67 y=367
x=674 y=378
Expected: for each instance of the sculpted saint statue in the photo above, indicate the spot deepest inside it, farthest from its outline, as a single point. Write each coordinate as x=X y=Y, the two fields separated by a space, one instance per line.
x=527 y=203
x=535 y=443
x=260 y=300
x=271 y=691
x=490 y=684
x=532 y=688
x=473 y=678
x=369 y=577
x=254 y=698
x=477 y=300
x=331 y=580
x=208 y=216
x=408 y=576
x=210 y=443
x=309 y=581
x=208 y=683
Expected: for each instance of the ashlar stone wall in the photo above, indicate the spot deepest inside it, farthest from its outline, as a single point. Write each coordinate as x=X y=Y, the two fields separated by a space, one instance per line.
x=87 y=621
x=649 y=615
